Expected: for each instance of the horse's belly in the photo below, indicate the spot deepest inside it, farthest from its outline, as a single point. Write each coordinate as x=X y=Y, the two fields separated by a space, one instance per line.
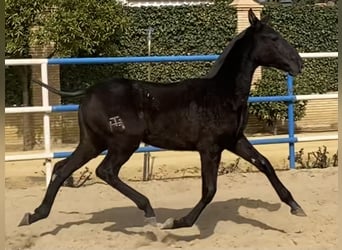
x=171 y=135
x=188 y=130
x=171 y=141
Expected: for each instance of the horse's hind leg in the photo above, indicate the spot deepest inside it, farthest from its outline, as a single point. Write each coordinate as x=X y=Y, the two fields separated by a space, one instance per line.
x=246 y=150
x=62 y=170
x=109 y=170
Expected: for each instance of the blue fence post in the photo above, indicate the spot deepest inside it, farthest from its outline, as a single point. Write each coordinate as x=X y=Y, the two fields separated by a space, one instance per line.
x=291 y=121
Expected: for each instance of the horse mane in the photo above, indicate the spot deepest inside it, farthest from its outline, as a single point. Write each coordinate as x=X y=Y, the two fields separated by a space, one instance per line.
x=218 y=63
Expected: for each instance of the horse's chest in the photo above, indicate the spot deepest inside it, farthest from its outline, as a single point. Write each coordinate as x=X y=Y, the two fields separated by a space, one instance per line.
x=232 y=121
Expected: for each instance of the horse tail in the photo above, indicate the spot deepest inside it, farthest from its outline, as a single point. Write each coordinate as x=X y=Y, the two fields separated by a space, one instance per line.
x=60 y=92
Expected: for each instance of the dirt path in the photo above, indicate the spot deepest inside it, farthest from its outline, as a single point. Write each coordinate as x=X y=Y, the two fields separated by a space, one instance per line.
x=245 y=212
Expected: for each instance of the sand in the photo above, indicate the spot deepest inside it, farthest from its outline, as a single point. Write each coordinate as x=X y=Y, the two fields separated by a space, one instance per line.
x=246 y=213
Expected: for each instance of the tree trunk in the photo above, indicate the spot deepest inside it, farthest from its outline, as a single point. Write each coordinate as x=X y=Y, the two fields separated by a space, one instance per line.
x=24 y=75
x=275 y=127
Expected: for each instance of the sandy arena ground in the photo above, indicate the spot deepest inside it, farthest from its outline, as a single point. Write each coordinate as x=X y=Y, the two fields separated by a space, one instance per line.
x=246 y=213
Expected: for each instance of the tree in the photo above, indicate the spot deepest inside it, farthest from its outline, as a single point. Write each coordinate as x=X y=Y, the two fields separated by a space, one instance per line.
x=20 y=17
x=82 y=27
x=75 y=27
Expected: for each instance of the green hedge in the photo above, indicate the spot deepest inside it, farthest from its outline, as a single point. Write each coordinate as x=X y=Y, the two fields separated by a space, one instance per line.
x=206 y=29
x=184 y=30
x=181 y=30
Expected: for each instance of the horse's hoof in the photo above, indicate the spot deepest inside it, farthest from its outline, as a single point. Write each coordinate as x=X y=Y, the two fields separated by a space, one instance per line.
x=25 y=220
x=168 y=224
x=298 y=212
x=151 y=221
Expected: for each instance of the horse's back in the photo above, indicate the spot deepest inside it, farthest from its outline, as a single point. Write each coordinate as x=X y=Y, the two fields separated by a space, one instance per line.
x=109 y=109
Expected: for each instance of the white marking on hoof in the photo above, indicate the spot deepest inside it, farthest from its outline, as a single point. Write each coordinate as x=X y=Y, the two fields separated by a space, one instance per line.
x=154 y=233
x=168 y=224
x=151 y=221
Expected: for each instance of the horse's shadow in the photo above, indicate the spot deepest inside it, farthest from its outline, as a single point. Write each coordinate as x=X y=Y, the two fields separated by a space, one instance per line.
x=129 y=217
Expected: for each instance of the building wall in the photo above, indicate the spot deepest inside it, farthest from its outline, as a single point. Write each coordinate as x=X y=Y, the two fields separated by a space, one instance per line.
x=321 y=116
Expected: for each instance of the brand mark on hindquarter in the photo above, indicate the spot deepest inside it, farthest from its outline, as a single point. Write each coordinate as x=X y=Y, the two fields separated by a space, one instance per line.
x=116 y=122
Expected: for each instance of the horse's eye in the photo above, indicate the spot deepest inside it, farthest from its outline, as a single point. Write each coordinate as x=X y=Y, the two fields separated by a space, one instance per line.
x=272 y=37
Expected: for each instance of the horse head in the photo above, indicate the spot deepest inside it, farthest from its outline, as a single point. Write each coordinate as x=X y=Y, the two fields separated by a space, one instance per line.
x=271 y=49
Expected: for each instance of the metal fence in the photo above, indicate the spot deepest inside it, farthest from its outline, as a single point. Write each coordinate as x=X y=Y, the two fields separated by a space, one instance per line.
x=47 y=109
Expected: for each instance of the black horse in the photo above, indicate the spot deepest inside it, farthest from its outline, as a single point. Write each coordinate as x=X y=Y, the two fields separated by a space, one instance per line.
x=206 y=114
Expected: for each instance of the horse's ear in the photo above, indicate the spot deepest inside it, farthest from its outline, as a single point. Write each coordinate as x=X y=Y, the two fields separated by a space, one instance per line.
x=253 y=20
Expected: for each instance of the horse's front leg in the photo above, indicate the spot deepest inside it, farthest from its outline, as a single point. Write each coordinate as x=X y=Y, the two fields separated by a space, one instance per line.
x=246 y=150
x=210 y=159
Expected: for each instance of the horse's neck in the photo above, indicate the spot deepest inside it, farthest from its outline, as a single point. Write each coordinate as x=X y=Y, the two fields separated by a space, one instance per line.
x=236 y=73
